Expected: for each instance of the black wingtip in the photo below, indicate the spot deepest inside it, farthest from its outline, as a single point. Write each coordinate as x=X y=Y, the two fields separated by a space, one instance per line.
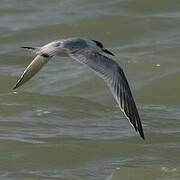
x=142 y=136
x=15 y=87
x=139 y=129
x=141 y=132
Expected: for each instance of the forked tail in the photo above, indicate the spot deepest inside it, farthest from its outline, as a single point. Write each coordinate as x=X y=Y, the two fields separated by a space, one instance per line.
x=29 y=48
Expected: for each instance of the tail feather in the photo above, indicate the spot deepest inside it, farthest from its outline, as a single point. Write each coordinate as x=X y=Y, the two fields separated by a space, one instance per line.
x=28 y=47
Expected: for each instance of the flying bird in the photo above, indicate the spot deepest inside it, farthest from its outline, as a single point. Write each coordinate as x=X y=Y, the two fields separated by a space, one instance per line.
x=91 y=53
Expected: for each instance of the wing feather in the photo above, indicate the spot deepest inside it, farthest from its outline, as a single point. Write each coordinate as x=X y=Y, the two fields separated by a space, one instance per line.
x=35 y=66
x=116 y=80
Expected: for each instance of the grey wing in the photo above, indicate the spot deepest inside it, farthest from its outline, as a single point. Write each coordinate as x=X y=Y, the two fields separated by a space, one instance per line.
x=113 y=74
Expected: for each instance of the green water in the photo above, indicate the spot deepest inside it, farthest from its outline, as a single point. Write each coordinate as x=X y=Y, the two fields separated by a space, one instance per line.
x=64 y=123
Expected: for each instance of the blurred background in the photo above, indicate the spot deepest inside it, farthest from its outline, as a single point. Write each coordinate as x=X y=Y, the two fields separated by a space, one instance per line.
x=64 y=124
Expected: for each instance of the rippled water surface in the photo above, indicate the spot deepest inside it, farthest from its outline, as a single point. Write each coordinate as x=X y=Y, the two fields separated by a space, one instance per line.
x=64 y=123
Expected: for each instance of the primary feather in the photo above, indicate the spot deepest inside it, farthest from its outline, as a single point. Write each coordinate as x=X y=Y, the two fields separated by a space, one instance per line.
x=115 y=78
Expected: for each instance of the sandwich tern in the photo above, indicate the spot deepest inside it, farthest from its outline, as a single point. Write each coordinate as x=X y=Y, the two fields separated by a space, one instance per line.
x=91 y=53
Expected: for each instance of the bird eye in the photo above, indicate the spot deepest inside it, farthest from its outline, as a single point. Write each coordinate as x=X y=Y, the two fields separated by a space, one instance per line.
x=57 y=44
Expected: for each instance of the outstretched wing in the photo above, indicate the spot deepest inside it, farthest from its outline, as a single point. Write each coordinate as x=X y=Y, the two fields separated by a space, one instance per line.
x=35 y=66
x=113 y=74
